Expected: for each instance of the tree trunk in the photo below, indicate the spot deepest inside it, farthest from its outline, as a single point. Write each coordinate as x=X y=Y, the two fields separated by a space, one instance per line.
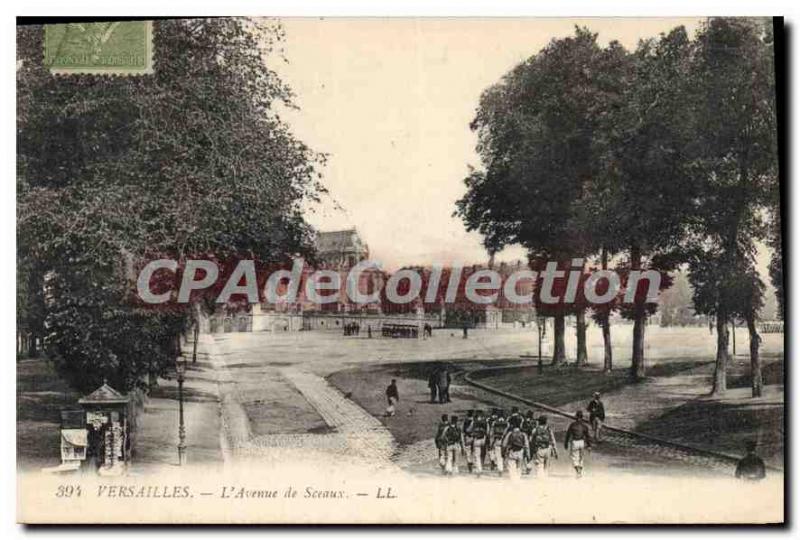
x=559 y=349
x=34 y=350
x=637 y=354
x=720 y=381
x=755 y=360
x=580 y=331
x=608 y=361
x=605 y=323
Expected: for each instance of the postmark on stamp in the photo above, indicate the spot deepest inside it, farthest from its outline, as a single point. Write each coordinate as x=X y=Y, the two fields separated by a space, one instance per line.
x=101 y=48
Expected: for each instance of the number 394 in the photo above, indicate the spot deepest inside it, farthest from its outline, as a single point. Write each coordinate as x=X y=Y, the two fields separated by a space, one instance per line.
x=68 y=491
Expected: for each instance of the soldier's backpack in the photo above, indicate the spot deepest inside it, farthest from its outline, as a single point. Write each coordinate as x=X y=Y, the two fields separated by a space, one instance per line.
x=499 y=427
x=516 y=440
x=468 y=423
x=479 y=429
x=439 y=439
x=452 y=435
x=528 y=426
x=541 y=437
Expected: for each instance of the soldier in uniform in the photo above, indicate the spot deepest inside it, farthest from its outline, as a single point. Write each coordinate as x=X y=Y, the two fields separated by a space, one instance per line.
x=454 y=439
x=496 y=435
x=466 y=429
x=516 y=448
x=597 y=415
x=528 y=425
x=441 y=445
x=515 y=418
x=751 y=467
x=477 y=449
x=543 y=443
x=578 y=441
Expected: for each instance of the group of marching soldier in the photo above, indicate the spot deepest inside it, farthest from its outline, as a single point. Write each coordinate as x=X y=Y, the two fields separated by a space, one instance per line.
x=514 y=442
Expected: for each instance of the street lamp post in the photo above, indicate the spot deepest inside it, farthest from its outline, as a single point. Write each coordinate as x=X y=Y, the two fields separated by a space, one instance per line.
x=540 y=331
x=180 y=368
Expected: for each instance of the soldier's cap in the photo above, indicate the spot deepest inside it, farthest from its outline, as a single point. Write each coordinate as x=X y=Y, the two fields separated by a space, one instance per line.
x=597 y=394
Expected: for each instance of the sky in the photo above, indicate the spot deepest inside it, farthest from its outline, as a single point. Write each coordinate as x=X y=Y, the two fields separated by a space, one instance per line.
x=390 y=102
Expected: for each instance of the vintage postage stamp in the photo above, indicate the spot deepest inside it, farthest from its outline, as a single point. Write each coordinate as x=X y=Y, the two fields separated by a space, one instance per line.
x=105 y=48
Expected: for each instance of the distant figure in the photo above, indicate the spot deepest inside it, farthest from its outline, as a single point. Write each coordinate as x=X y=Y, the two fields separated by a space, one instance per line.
x=433 y=384
x=597 y=416
x=465 y=331
x=443 y=382
x=751 y=467
x=392 y=396
x=369 y=331
x=577 y=442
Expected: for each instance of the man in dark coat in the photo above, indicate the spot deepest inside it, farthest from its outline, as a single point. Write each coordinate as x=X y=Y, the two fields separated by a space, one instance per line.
x=443 y=382
x=597 y=415
x=577 y=442
x=751 y=467
x=433 y=384
x=392 y=397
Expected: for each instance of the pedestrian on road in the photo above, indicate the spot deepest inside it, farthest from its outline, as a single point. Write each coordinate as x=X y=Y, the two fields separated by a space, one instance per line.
x=369 y=331
x=455 y=442
x=544 y=447
x=392 y=396
x=438 y=439
x=498 y=432
x=444 y=385
x=516 y=448
x=751 y=467
x=433 y=384
x=466 y=429
x=477 y=448
x=597 y=416
x=577 y=442
x=528 y=427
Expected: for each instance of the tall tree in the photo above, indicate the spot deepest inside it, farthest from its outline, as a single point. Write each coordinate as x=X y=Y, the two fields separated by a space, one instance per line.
x=536 y=130
x=191 y=160
x=640 y=201
x=735 y=165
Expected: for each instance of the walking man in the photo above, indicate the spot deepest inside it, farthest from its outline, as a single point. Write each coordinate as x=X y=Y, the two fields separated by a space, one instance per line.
x=455 y=442
x=544 y=447
x=392 y=396
x=528 y=427
x=498 y=433
x=516 y=448
x=597 y=415
x=433 y=384
x=443 y=382
x=441 y=444
x=577 y=442
x=477 y=448
x=751 y=467
x=466 y=429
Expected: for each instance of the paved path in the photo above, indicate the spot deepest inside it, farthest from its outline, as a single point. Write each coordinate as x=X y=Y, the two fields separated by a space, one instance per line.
x=354 y=435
